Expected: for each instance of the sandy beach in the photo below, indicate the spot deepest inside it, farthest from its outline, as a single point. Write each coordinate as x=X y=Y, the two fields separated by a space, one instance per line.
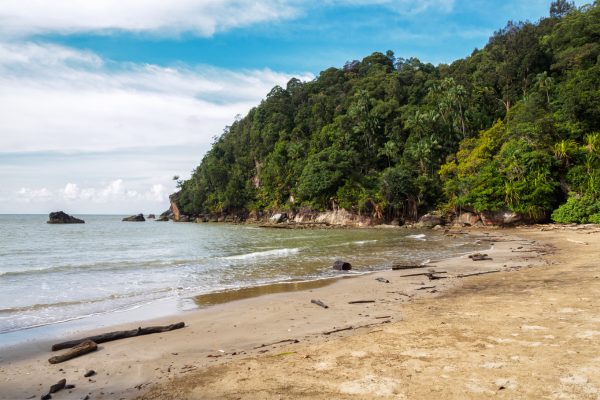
x=529 y=331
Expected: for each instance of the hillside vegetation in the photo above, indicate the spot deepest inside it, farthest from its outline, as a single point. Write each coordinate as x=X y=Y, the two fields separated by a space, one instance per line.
x=512 y=126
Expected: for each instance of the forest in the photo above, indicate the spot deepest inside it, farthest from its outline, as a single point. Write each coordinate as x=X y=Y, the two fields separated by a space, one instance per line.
x=513 y=126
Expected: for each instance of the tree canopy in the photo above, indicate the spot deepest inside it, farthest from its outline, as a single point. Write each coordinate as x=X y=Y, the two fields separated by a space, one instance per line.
x=512 y=126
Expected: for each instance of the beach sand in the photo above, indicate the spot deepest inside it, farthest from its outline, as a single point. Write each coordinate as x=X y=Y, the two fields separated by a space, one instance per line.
x=529 y=333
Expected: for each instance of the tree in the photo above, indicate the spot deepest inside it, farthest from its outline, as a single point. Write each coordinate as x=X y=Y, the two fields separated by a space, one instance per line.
x=544 y=81
x=388 y=150
x=560 y=8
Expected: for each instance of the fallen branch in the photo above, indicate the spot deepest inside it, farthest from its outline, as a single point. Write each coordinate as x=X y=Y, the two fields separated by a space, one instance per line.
x=425 y=287
x=108 y=337
x=319 y=303
x=482 y=259
x=387 y=316
x=337 y=330
x=478 y=273
x=281 y=341
x=361 y=301
x=378 y=323
x=576 y=241
x=383 y=280
x=79 y=350
x=430 y=275
x=424 y=273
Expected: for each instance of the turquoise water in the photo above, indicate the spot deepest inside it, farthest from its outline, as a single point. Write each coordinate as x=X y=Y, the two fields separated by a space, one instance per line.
x=55 y=273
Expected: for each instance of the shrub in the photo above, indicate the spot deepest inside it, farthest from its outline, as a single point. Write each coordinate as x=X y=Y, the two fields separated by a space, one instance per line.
x=582 y=211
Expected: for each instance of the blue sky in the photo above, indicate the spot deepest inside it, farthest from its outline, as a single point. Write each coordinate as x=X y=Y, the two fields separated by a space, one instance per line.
x=104 y=101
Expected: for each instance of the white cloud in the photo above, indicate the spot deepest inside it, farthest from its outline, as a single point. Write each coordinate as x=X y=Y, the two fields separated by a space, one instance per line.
x=203 y=17
x=200 y=17
x=57 y=98
x=28 y=195
x=111 y=192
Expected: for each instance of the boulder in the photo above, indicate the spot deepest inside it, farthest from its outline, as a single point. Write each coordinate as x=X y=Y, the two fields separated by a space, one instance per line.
x=468 y=218
x=60 y=217
x=277 y=218
x=429 y=221
x=396 y=222
x=508 y=217
x=135 y=218
x=151 y=216
x=342 y=266
x=162 y=219
x=181 y=218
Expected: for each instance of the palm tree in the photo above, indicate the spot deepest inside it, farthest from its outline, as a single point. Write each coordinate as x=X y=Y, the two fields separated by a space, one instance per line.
x=591 y=142
x=416 y=121
x=562 y=150
x=388 y=150
x=367 y=123
x=459 y=93
x=545 y=81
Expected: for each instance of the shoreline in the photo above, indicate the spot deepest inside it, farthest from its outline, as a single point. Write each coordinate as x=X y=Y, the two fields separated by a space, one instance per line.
x=146 y=312
x=241 y=325
x=31 y=347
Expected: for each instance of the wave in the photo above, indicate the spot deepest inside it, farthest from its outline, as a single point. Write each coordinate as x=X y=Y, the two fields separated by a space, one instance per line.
x=278 y=252
x=97 y=267
x=364 y=241
x=420 y=236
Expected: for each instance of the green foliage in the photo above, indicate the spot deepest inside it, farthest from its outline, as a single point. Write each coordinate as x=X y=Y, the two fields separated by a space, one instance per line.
x=510 y=126
x=582 y=211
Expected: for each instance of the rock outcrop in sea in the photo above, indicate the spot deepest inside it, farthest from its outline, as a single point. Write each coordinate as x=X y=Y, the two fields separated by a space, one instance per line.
x=60 y=217
x=151 y=216
x=135 y=218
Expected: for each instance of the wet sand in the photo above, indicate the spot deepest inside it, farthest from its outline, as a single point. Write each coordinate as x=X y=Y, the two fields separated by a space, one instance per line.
x=510 y=334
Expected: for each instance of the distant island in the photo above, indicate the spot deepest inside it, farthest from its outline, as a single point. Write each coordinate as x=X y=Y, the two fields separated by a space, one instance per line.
x=509 y=132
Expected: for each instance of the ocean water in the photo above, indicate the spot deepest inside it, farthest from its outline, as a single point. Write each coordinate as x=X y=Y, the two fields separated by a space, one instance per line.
x=55 y=273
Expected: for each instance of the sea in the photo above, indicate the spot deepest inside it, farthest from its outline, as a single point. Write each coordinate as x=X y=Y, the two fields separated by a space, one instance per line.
x=53 y=274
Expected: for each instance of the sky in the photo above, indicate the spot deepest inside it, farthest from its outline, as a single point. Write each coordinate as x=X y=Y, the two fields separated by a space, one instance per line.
x=102 y=102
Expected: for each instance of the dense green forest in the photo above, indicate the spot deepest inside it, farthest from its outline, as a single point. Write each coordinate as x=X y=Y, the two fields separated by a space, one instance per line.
x=512 y=126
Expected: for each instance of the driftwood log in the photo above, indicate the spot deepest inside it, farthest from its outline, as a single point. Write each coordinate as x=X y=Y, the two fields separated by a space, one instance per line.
x=59 y=386
x=319 y=303
x=108 y=337
x=79 y=350
x=383 y=280
x=361 y=301
x=400 y=267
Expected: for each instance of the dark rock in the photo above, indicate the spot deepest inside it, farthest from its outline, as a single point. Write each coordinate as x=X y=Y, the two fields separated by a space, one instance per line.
x=67 y=387
x=89 y=373
x=151 y=216
x=135 y=218
x=181 y=218
x=46 y=396
x=396 y=222
x=429 y=221
x=60 y=217
x=342 y=266
x=509 y=217
x=59 y=386
x=162 y=219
